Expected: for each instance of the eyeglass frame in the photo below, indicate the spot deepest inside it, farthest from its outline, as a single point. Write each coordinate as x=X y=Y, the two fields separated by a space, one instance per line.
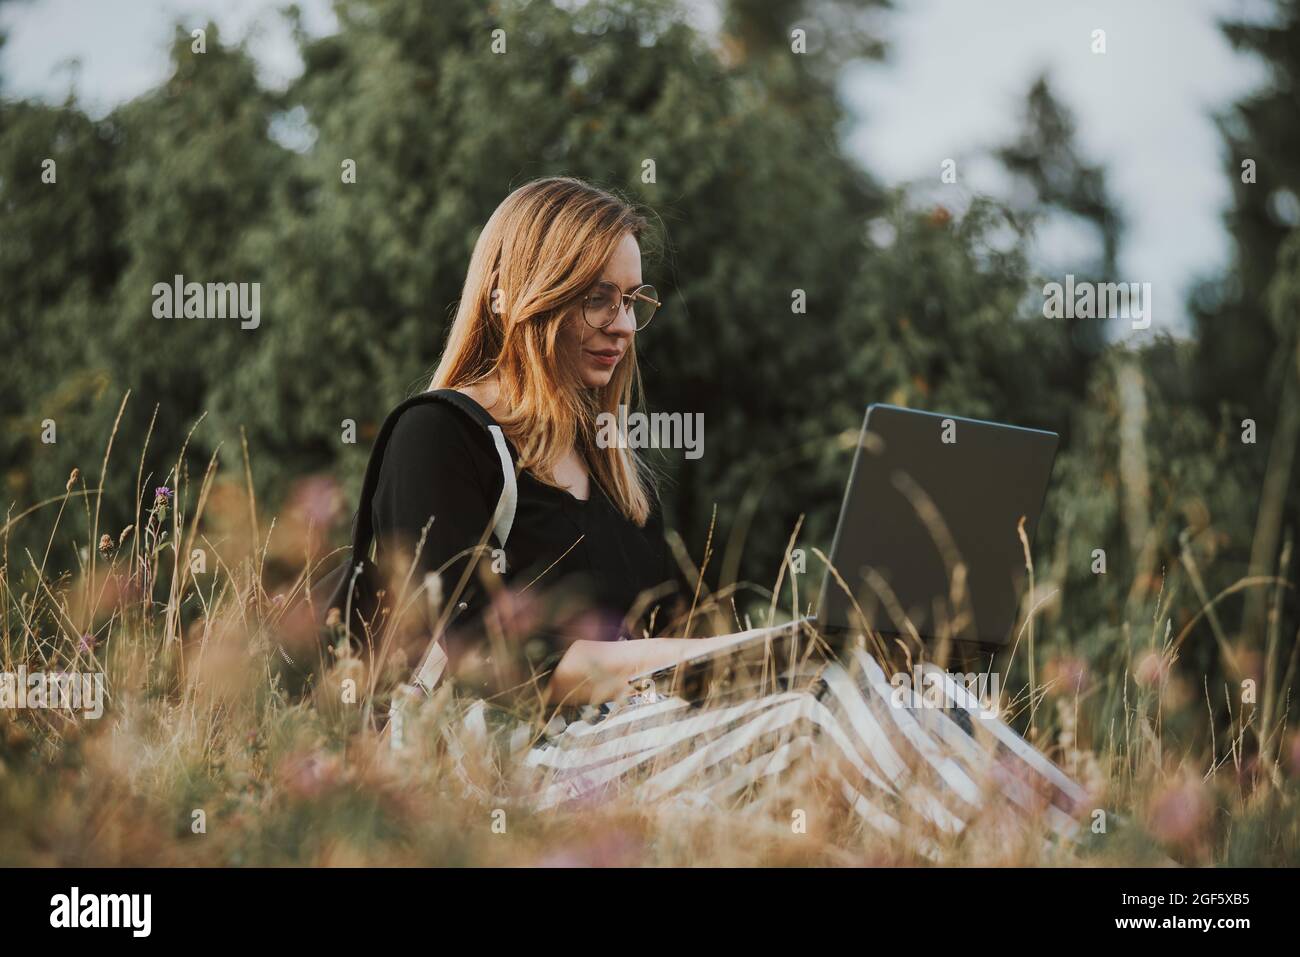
x=625 y=302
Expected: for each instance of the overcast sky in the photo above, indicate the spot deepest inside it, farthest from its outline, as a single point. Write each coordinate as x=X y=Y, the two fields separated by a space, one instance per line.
x=954 y=83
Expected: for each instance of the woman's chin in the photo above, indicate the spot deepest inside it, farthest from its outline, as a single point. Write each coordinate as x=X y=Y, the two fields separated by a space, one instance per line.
x=594 y=378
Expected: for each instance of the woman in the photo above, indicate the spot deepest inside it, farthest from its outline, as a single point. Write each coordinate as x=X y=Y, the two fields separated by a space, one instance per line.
x=543 y=342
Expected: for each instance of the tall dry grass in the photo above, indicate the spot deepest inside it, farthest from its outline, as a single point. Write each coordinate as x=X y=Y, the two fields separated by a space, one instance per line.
x=208 y=753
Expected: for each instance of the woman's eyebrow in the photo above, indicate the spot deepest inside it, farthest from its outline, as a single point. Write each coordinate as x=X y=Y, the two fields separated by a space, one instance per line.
x=628 y=290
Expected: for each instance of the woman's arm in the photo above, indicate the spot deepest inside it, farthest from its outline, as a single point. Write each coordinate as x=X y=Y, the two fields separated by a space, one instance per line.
x=432 y=493
x=594 y=671
x=431 y=487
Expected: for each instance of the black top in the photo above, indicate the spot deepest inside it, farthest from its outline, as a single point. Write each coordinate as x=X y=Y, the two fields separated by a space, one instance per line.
x=580 y=565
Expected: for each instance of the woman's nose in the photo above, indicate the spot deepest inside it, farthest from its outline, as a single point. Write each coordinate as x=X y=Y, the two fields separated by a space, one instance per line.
x=624 y=323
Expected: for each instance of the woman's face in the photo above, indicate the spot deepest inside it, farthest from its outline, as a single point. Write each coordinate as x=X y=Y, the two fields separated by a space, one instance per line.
x=596 y=353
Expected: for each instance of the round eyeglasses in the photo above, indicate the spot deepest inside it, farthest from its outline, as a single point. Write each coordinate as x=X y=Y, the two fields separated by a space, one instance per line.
x=602 y=303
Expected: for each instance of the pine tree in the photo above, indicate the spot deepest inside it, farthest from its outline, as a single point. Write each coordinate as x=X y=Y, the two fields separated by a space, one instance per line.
x=1237 y=339
x=1246 y=320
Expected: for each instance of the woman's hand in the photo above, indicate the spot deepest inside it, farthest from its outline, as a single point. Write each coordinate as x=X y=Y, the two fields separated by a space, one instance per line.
x=594 y=671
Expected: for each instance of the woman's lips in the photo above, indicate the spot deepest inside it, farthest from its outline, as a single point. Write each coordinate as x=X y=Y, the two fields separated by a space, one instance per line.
x=605 y=357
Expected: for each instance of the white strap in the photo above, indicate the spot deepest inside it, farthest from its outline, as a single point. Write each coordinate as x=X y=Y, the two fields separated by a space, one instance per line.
x=429 y=672
x=505 y=514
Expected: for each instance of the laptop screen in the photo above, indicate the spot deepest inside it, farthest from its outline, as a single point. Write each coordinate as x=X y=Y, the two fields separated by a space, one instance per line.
x=931 y=500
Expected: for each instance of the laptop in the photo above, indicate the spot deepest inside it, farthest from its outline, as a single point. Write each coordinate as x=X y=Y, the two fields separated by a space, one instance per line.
x=927 y=494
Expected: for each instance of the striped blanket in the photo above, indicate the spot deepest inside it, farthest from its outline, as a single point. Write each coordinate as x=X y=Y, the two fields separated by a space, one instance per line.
x=918 y=775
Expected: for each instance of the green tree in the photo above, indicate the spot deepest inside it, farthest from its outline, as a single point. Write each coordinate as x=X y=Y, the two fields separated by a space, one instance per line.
x=1245 y=319
x=58 y=265
x=753 y=198
x=1238 y=340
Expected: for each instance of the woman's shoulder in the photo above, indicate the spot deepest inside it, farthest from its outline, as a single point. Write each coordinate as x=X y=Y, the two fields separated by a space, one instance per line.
x=434 y=424
x=434 y=450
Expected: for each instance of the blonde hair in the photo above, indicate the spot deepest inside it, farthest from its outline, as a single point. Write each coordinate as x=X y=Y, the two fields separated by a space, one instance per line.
x=541 y=250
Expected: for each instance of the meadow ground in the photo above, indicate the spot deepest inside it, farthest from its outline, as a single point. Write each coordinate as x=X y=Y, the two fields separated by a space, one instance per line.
x=205 y=753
